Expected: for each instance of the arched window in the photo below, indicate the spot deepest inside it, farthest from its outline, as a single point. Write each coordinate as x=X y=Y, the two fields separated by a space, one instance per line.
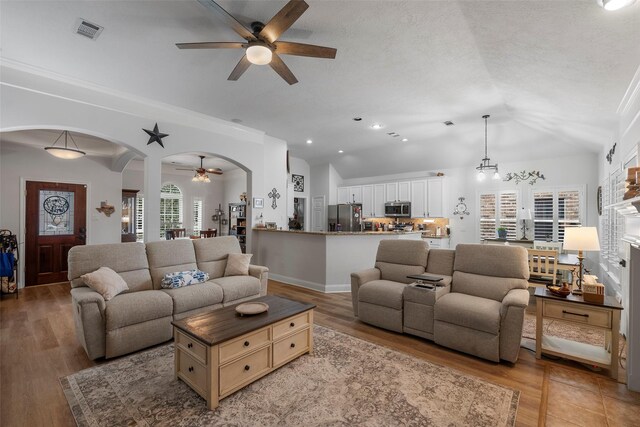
x=170 y=208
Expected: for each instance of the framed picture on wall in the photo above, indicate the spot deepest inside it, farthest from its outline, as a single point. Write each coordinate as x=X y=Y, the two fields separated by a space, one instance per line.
x=298 y=183
x=258 y=203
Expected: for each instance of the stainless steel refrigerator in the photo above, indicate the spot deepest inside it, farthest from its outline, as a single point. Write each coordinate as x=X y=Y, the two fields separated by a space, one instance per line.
x=345 y=217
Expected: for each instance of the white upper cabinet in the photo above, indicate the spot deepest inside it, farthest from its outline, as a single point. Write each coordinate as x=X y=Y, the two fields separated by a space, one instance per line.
x=391 y=191
x=350 y=194
x=404 y=191
x=379 y=199
x=367 y=201
x=343 y=195
x=419 y=198
x=435 y=198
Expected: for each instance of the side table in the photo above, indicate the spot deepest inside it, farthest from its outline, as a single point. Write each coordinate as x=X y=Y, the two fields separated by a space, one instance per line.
x=574 y=309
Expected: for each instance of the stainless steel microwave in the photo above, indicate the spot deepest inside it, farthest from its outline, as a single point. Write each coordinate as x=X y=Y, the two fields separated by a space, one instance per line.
x=397 y=209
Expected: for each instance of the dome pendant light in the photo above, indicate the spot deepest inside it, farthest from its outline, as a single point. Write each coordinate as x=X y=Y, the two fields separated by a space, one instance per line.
x=616 y=4
x=485 y=164
x=65 y=152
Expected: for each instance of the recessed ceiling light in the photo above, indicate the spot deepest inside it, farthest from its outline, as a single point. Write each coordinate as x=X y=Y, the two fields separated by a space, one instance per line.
x=448 y=123
x=357 y=119
x=340 y=151
x=376 y=126
x=405 y=139
x=309 y=141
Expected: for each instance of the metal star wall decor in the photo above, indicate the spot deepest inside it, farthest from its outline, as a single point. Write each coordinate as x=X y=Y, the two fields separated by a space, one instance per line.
x=155 y=135
x=532 y=176
x=274 y=195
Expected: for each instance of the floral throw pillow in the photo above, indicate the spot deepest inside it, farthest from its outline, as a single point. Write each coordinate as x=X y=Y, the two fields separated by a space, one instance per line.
x=183 y=278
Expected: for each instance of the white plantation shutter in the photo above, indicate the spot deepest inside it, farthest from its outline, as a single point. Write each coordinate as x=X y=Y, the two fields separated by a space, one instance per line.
x=554 y=211
x=140 y=218
x=568 y=211
x=170 y=208
x=543 y=215
x=509 y=213
x=616 y=221
x=487 y=216
x=198 y=208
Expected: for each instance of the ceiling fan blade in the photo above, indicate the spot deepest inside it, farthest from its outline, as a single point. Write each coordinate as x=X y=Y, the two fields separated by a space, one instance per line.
x=302 y=49
x=211 y=45
x=214 y=170
x=283 y=19
x=242 y=31
x=240 y=68
x=183 y=169
x=281 y=68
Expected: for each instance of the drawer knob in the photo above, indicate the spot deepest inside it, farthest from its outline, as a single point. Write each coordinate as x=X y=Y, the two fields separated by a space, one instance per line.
x=190 y=368
x=247 y=367
x=246 y=343
x=293 y=345
x=575 y=314
x=291 y=325
x=189 y=345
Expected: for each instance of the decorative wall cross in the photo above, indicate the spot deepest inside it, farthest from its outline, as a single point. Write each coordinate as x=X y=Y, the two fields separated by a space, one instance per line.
x=274 y=195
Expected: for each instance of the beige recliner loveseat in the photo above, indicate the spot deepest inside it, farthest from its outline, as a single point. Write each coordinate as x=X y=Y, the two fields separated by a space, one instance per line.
x=141 y=317
x=478 y=309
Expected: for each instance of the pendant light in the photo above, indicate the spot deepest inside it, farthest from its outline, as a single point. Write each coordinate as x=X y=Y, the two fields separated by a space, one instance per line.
x=65 y=152
x=485 y=165
x=616 y=4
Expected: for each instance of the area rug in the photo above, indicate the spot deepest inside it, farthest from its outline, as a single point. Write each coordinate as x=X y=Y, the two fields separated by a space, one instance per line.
x=347 y=381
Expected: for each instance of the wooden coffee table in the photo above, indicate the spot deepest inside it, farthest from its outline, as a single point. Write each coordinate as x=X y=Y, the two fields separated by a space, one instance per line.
x=219 y=352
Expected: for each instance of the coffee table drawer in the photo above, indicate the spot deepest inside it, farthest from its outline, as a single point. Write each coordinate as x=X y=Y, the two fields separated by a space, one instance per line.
x=243 y=345
x=291 y=324
x=192 y=346
x=243 y=371
x=192 y=371
x=578 y=313
x=291 y=347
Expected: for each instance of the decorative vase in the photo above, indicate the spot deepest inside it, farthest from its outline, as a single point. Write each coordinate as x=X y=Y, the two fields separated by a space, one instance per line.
x=502 y=234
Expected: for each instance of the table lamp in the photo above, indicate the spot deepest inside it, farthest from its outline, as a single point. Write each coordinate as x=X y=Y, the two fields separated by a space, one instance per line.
x=524 y=215
x=581 y=239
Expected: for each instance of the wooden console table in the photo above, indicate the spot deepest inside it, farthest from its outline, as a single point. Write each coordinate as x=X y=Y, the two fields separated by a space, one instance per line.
x=574 y=309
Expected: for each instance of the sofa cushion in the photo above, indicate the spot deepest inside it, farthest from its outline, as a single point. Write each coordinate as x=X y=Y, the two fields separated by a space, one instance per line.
x=469 y=311
x=137 y=307
x=237 y=265
x=236 y=287
x=129 y=260
x=169 y=256
x=406 y=252
x=106 y=282
x=398 y=272
x=382 y=292
x=440 y=261
x=491 y=287
x=211 y=254
x=492 y=260
x=195 y=296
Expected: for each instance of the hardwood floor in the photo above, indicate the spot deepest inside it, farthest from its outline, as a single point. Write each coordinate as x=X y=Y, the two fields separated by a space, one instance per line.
x=38 y=345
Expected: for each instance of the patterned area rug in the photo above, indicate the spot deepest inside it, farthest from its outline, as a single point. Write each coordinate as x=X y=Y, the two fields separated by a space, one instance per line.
x=347 y=381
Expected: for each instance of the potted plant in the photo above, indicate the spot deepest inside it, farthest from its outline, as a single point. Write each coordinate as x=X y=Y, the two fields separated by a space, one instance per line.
x=502 y=232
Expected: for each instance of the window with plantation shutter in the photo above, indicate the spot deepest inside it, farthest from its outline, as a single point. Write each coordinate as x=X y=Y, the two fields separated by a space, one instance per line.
x=170 y=208
x=554 y=211
x=198 y=209
x=509 y=212
x=140 y=218
x=487 y=216
x=498 y=209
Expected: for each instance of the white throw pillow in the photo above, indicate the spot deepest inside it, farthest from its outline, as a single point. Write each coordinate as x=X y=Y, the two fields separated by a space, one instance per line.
x=106 y=282
x=237 y=265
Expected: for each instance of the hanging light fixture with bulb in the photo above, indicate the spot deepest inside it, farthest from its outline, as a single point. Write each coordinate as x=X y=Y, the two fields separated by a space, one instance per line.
x=615 y=4
x=65 y=152
x=485 y=164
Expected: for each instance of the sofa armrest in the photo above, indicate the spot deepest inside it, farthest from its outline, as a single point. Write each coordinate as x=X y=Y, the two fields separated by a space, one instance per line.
x=89 y=319
x=358 y=279
x=262 y=274
x=511 y=322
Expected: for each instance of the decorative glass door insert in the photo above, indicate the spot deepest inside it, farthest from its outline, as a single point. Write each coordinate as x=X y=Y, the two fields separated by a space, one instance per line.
x=56 y=213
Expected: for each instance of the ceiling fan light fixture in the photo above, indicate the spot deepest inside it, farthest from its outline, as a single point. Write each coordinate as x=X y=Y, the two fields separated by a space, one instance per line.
x=616 y=4
x=259 y=54
x=65 y=152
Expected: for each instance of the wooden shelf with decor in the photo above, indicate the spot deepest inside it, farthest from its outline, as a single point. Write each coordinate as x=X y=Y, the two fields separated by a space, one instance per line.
x=128 y=221
x=238 y=223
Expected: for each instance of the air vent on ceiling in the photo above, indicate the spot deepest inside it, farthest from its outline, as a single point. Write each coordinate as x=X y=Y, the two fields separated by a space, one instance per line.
x=448 y=123
x=88 y=29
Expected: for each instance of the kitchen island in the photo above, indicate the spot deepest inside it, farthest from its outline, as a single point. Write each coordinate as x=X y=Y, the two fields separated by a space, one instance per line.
x=319 y=260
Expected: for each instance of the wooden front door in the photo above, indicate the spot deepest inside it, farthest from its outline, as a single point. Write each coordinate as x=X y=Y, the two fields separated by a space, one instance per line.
x=55 y=222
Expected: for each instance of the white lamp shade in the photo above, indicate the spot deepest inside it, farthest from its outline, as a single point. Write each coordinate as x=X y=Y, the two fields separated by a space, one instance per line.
x=581 y=239
x=259 y=55
x=64 y=153
x=524 y=214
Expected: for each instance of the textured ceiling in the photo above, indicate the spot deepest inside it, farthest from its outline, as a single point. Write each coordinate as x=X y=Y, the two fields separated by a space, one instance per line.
x=550 y=73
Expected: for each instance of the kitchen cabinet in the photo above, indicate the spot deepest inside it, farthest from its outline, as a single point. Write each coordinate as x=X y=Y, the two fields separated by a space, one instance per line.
x=404 y=191
x=367 y=201
x=350 y=194
x=419 y=198
x=379 y=199
x=435 y=198
x=391 y=192
x=343 y=195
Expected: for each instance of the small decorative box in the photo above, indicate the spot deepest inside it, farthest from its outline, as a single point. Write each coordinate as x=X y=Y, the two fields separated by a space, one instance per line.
x=593 y=292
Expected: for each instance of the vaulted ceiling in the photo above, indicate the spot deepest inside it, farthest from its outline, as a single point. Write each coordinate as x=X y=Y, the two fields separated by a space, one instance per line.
x=550 y=73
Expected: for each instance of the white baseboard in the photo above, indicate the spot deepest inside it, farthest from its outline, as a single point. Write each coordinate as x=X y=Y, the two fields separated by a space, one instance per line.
x=320 y=287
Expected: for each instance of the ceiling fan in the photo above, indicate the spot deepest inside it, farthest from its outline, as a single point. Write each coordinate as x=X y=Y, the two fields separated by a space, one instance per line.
x=262 y=46
x=202 y=173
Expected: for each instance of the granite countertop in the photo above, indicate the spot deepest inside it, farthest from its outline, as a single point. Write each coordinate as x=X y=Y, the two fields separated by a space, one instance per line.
x=339 y=233
x=428 y=236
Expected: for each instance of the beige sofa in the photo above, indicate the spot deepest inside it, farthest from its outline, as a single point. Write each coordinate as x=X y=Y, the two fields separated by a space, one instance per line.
x=479 y=309
x=141 y=317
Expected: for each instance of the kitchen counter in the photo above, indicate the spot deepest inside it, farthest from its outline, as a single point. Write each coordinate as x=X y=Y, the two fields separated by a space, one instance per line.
x=321 y=260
